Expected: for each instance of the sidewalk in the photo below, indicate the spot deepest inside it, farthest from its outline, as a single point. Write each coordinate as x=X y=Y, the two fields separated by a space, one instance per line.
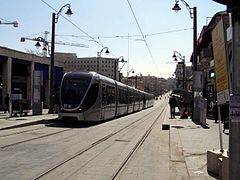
x=193 y=141
x=7 y=122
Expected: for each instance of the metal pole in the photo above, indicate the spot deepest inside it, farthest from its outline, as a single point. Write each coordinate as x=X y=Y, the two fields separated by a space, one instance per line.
x=115 y=71
x=194 y=110
x=51 y=98
x=234 y=131
x=220 y=128
x=183 y=72
x=136 y=82
x=195 y=38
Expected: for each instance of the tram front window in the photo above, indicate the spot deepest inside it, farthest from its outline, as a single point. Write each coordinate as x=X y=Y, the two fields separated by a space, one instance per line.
x=73 y=91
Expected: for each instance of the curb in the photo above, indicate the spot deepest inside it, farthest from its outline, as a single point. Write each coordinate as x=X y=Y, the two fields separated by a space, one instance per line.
x=41 y=121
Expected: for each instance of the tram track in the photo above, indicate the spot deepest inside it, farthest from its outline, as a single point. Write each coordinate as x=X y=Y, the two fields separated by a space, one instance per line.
x=105 y=138
x=34 y=138
x=22 y=132
x=47 y=135
x=136 y=147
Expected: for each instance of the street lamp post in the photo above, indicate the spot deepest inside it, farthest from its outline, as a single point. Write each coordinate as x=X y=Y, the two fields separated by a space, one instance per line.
x=131 y=70
x=182 y=58
x=54 y=21
x=193 y=15
x=121 y=59
x=136 y=79
x=116 y=61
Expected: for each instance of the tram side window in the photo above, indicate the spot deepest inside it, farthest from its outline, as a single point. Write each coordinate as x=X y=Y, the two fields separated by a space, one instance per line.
x=107 y=95
x=121 y=96
x=130 y=97
x=104 y=99
x=134 y=97
x=125 y=97
x=111 y=94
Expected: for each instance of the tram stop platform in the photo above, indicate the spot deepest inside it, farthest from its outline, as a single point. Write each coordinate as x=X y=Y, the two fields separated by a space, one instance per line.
x=7 y=122
x=198 y=148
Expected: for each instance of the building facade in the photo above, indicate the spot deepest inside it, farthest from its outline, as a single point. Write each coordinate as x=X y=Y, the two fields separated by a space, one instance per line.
x=18 y=77
x=206 y=61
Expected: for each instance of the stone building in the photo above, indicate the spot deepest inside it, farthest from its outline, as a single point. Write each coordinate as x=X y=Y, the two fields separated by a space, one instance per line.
x=105 y=66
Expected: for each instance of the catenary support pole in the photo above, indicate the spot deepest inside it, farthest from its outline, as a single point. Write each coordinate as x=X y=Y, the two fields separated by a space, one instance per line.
x=51 y=94
x=234 y=131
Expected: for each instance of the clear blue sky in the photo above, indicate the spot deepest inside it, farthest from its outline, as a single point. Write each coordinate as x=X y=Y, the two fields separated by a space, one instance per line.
x=110 y=22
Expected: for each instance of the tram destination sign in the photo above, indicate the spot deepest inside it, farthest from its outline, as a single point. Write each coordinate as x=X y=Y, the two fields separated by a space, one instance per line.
x=234 y=108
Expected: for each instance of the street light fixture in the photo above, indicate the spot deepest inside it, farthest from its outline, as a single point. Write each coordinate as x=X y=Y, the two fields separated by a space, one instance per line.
x=54 y=21
x=38 y=45
x=177 y=55
x=14 y=23
x=100 y=53
x=131 y=70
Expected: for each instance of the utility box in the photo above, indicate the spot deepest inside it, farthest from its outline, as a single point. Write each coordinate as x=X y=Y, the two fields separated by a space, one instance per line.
x=225 y=166
x=213 y=161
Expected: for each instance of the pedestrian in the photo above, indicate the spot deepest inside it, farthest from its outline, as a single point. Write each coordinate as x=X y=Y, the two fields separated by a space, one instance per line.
x=215 y=112
x=6 y=101
x=181 y=107
x=172 y=103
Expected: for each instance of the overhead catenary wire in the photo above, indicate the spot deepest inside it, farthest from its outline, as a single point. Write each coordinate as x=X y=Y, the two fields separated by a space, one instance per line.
x=5 y=20
x=144 y=37
x=131 y=37
x=76 y=26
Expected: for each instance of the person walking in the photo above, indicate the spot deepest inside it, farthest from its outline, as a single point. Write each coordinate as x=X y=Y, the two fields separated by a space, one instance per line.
x=181 y=107
x=172 y=104
x=6 y=101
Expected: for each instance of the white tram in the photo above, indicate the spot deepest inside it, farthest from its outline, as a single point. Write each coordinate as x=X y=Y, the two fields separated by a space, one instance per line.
x=88 y=96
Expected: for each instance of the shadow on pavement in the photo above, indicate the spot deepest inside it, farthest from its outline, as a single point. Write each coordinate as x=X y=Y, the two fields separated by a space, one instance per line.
x=72 y=124
x=177 y=127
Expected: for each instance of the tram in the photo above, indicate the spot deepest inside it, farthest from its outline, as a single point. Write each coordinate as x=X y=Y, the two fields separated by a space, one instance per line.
x=89 y=96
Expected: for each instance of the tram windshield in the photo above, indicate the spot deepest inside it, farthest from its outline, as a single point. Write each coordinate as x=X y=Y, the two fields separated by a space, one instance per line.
x=73 y=90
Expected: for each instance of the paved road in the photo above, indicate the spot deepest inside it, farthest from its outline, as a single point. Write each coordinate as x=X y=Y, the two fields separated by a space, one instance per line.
x=88 y=151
